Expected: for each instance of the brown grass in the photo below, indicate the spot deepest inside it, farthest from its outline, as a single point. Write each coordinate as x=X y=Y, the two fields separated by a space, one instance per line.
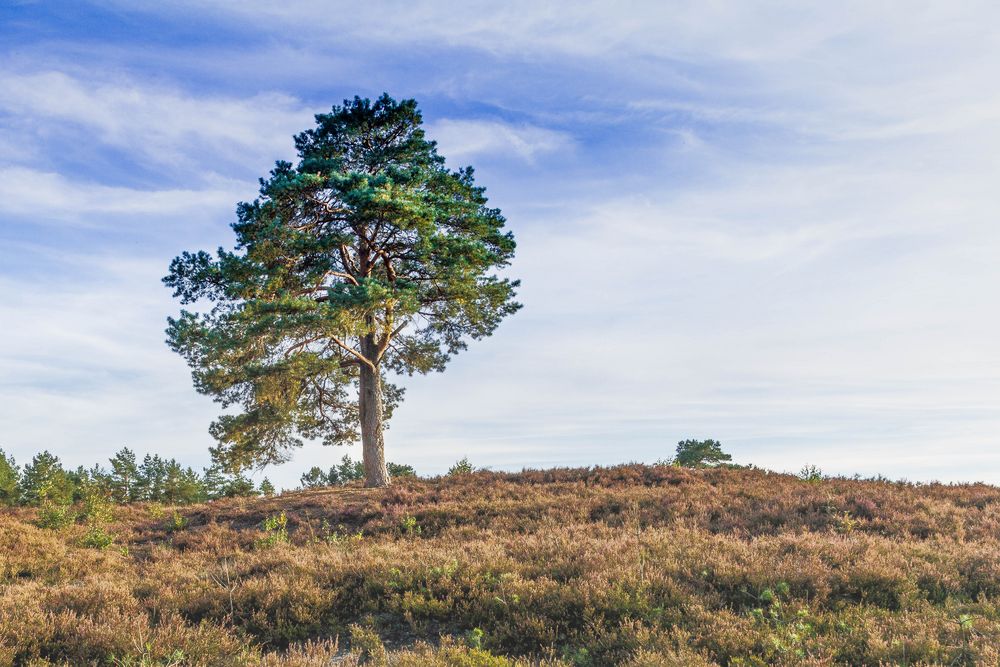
x=633 y=565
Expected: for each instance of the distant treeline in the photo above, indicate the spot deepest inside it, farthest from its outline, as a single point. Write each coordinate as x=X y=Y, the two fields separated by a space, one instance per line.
x=45 y=481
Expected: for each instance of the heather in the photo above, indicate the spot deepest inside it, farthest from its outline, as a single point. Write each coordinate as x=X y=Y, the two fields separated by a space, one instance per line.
x=630 y=565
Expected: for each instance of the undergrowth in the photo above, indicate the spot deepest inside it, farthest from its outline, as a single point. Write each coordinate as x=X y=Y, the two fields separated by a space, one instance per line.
x=631 y=565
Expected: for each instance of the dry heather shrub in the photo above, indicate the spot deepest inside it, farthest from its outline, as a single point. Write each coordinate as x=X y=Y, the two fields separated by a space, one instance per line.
x=628 y=565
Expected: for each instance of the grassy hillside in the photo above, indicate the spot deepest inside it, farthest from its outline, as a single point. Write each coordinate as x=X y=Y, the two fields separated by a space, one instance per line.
x=628 y=565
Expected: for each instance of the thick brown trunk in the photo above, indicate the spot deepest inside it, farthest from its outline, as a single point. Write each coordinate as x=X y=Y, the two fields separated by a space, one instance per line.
x=373 y=446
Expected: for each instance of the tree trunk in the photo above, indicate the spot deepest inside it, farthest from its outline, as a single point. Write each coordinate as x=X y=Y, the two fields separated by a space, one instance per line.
x=373 y=446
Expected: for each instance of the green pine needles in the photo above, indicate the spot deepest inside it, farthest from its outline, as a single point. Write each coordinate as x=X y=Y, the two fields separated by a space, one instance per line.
x=370 y=256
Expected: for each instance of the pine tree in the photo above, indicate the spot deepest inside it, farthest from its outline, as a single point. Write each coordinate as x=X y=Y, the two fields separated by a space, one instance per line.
x=346 y=471
x=220 y=483
x=10 y=480
x=700 y=453
x=314 y=478
x=181 y=486
x=369 y=256
x=45 y=480
x=266 y=488
x=400 y=470
x=151 y=479
x=124 y=476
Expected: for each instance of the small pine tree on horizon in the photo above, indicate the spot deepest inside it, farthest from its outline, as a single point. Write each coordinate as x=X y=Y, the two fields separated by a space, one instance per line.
x=700 y=454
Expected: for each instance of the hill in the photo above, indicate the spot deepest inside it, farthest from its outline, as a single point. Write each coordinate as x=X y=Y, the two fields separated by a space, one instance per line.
x=637 y=565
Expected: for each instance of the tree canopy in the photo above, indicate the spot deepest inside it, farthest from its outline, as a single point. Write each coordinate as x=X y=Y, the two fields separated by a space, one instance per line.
x=369 y=256
x=700 y=453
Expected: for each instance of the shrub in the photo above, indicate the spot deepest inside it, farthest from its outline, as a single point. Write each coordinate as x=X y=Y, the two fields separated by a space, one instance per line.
x=368 y=646
x=54 y=517
x=461 y=467
x=10 y=480
x=409 y=526
x=177 y=522
x=811 y=473
x=275 y=529
x=97 y=537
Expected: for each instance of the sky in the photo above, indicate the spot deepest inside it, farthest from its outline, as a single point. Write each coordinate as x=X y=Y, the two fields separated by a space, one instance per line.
x=774 y=224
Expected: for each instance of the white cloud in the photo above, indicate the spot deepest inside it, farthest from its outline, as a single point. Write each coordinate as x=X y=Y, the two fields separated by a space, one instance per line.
x=46 y=197
x=157 y=125
x=461 y=139
x=805 y=267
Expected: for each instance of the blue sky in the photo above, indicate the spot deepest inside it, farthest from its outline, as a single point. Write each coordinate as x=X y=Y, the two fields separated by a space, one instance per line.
x=774 y=224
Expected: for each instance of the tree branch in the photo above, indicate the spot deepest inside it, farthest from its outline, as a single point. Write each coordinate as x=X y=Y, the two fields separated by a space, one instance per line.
x=347 y=348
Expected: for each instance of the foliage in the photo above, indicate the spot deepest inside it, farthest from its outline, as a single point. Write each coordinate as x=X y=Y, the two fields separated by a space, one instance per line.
x=10 y=480
x=700 y=453
x=221 y=483
x=400 y=470
x=275 y=529
x=177 y=522
x=368 y=646
x=347 y=471
x=266 y=488
x=124 y=478
x=55 y=517
x=461 y=467
x=810 y=473
x=45 y=480
x=368 y=256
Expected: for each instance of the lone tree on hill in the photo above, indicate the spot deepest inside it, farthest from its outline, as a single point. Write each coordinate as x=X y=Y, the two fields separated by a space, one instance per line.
x=368 y=256
x=700 y=453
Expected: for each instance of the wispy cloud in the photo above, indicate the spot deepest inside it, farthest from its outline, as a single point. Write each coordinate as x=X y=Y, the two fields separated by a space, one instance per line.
x=157 y=124
x=45 y=198
x=463 y=139
x=771 y=224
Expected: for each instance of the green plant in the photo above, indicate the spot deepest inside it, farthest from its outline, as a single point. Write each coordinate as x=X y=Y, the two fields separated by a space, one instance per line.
x=368 y=646
x=97 y=537
x=846 y=523
x=177 y=522
x=577 y=656
x=474 y=638
x=409 y=526
x=400 y=470
x=700 y=454
x=275 y=529
x=54 y=517
x=461 y=467
x=966 y=627
x=10 y=480
x=369 y=256
x=811 y=474
x=45 y=480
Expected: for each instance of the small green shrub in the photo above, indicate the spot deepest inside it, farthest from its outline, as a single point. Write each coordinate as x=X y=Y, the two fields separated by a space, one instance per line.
x=409 y=526
x=811 y=474
x=177 y=522
x=55 y=517
x=474 y=638
x=97 y=537
x=275 y=529
x=461 y=467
